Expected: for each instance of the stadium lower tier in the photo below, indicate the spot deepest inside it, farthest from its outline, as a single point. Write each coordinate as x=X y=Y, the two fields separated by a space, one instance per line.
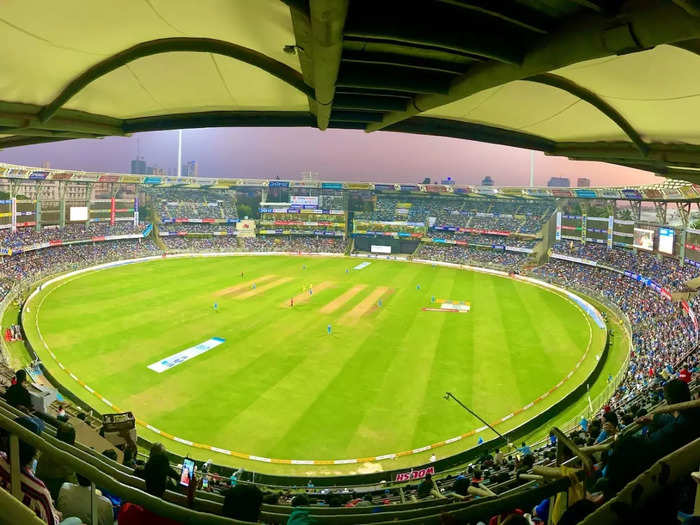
x=661 y=332
x=663 y=350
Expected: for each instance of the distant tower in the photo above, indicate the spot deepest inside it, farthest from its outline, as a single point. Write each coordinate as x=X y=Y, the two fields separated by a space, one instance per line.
x=138 y=166
x=487 y=181
x=583 y=182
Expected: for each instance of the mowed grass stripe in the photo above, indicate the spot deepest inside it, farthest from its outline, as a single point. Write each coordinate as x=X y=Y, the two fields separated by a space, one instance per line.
x=246 y=285
x=363 y=306
x=406 y=385
x=265 y=287
x=309 y=294
x=339 y=301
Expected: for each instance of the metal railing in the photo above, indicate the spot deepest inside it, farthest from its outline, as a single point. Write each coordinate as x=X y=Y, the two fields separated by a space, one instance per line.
x=97 y=476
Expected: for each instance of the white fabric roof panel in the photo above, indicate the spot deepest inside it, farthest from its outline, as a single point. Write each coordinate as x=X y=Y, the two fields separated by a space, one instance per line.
x=533 y=108
x=73 y=35
x=185 y=82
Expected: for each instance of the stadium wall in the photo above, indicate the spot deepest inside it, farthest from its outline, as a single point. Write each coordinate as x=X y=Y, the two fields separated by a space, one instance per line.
x=383 y=476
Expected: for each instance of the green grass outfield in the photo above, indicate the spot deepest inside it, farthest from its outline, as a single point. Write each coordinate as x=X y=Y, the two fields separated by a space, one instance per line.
x=280 y=386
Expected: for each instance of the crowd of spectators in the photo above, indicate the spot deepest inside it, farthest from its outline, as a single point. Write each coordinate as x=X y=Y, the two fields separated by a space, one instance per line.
x=488 y=240
x=473 y=256
x=198 y=227
x=488 y=214
x=290 y=243
x=30 y=265
x=666 y=271
x=174 y=203
x=662 y=333
x=28 y=236
x=218 y=243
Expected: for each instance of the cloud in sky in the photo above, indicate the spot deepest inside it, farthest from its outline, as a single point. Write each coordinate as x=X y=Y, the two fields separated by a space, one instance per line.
x=334 y=154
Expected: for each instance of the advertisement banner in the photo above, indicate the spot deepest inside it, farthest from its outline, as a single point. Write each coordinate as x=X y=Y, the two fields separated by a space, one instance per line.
x=187 y=354
x=415 y=474
x=304 y=200
x=611 y=225
x=573 y=259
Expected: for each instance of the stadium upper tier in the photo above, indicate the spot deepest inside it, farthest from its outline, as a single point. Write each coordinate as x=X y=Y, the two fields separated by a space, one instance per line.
x=668 y=190
x=585 y=79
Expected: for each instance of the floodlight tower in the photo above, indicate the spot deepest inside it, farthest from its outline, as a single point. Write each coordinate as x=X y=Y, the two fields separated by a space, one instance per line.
x=532 y=168
x=179 y=153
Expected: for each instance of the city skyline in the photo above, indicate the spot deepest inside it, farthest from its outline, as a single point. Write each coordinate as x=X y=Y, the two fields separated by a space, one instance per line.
x=334 y=154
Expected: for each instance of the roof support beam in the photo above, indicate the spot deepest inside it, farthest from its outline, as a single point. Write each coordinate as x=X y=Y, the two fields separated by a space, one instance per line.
x=383 y=27
x=589 y=4
x=169 y=45
x=30 y=132
x=392 y=78
x=24 y=116
x=511 y=12
x=581 y=92
x=390 y=59
x=585 y=37
x=214 y=119
x=369 y=102
x=471 y=131
x=327 y=23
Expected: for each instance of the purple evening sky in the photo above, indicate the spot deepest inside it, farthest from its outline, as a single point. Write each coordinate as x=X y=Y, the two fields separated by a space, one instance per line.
x=334 y=154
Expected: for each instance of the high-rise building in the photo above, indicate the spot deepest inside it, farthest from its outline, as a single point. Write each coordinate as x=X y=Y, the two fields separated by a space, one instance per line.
x=190 y=169
x=559 y=182
x=46 y=164
x=138 y=166
x=487 y=181
x=583 y=182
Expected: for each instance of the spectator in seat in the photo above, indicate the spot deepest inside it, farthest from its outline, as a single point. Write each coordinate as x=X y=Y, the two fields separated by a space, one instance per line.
x=524 y=449
x=428 y=488
x=54 y=474
x=156 y=476
x=35 y=495
x=685 y=375
x=300 y=516
x=242 y=502
x=498 y=458
x=678 y=428
x=114 y=499
x=610 y=424
x=74 y=500
x=17 y=394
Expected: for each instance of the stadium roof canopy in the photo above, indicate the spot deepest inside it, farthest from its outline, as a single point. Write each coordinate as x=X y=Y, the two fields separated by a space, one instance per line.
x=610 y=80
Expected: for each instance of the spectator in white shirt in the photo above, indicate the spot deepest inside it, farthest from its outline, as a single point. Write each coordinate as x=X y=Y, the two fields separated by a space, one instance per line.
x=74 y=500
